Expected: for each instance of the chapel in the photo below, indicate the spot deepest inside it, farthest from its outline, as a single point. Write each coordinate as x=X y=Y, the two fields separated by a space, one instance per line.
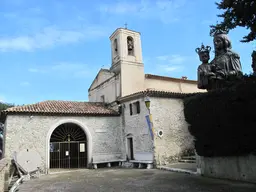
x=130 y=117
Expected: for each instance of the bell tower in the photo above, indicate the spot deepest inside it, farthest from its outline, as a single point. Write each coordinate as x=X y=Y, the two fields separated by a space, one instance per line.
x=127 y=60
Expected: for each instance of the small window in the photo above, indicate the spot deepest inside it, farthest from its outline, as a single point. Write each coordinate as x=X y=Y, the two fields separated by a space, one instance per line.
x=138 y=107
x=102 y=99
x=135 y=108
x=130 y=109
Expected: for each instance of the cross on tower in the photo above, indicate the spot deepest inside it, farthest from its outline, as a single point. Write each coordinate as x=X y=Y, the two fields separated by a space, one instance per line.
x=125 y=25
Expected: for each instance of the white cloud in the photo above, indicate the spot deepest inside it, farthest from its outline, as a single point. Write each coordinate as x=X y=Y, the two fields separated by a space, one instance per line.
x=171 y=68
x=77 y=70
x=9 y=15
x=166 y=11
x=37 y=70
x=49 y=37
x=163 y=57
x=167 y=64
x=172 y=59
x=119 y=8
x=24 y=84
x=33 y=70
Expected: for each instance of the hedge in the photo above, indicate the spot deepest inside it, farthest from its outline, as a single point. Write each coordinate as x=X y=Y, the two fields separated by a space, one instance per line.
x=223 y=122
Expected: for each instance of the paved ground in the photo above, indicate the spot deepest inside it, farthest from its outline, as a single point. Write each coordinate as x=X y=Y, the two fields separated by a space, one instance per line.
x=125 y=180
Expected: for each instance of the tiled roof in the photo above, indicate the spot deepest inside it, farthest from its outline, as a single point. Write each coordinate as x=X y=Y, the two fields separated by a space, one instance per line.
x=150 y=76
x=156 y=93
x=64 y=107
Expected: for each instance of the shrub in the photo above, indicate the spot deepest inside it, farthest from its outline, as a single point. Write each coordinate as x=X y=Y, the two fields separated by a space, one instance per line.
x=223 y=122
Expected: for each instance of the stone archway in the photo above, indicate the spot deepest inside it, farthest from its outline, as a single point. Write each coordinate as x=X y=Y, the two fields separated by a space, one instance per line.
x=69 y=145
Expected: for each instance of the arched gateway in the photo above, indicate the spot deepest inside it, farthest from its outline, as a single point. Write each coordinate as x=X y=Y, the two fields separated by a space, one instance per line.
x=68 y=147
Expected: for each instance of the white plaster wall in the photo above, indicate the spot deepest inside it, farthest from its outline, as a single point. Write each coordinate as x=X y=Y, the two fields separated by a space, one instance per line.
x=110 y=90
x=172 y=86
x=103 y=134
x=130 y=66
x=136 y=125
x=168 y=116
x=121 y=36
x=132 y=78
x=102 y=76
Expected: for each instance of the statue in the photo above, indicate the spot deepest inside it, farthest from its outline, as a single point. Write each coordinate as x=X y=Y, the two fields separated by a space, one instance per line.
x=204 y=70
x=254 y=63
x=224 y=69
x=226 y=64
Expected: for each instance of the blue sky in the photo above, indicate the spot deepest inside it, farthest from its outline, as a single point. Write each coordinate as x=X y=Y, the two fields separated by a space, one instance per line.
x=53 y=49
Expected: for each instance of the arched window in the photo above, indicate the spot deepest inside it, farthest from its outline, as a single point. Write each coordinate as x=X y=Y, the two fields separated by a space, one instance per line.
x=130 y=45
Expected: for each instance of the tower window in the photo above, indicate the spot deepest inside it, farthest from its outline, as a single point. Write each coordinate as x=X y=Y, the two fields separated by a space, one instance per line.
x=115 y=45
x=130 y=45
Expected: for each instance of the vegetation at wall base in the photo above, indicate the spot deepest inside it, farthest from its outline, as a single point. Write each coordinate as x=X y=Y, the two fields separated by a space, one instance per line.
x=223 y=122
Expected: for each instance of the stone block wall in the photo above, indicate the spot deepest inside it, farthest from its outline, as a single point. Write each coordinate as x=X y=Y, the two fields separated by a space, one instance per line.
x=241 y=168
x=136 y=126
x=168 y=117
x=33 y=133
x=4 y=170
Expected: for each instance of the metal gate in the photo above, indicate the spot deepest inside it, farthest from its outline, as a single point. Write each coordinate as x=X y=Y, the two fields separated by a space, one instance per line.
x=67 y=155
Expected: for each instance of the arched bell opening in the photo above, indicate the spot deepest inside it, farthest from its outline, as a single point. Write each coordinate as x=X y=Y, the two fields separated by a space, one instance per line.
x=68 y=147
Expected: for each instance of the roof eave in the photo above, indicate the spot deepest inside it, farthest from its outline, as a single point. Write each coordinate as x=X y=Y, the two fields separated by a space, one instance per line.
x=154 y=93
x=59 y=113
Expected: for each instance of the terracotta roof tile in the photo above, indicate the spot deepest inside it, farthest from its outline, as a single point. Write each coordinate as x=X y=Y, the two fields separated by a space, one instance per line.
x=157 y=93
x=150 y=76
x=64 y=107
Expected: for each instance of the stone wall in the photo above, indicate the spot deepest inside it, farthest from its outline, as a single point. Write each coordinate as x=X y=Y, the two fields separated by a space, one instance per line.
x=4 y=168
x=136 y=126
x=168 y=117
x=240 y=168
x=33 y=133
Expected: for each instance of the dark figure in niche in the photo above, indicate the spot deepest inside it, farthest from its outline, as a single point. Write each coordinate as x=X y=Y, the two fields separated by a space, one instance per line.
x=204 y=70
x=130 y=45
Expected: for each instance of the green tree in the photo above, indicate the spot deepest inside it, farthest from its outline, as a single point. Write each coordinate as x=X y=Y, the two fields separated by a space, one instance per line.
x=237 y=13
x=4 y=106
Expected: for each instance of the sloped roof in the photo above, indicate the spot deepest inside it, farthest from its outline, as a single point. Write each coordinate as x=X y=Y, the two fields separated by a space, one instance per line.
x=156 y=93
x=151 y=76
x=100 y=71
x=64 y=107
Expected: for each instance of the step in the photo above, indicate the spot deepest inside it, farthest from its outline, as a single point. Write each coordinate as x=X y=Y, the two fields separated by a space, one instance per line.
x=187 y=161
x=188 y=158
